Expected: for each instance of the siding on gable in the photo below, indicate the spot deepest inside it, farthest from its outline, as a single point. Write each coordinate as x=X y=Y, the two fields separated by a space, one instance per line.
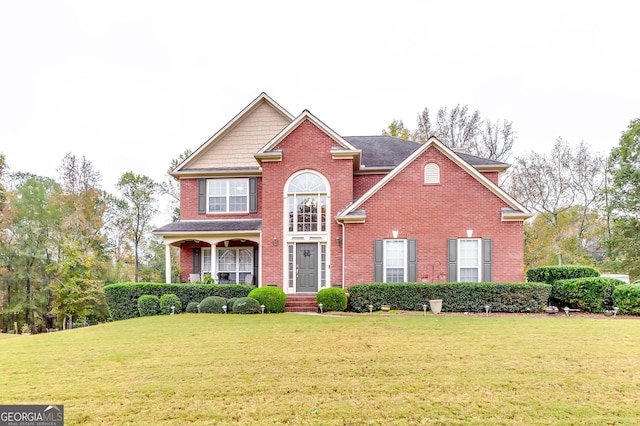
x=236 y=148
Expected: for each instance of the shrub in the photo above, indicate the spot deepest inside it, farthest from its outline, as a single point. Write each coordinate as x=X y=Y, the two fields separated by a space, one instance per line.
x=593 y=294
x=273 y=298
x=627 y=298
x=332 y=299
x=169 y=300
x=212 y=305
x=122 y=298
x=192 y=307
x=246 y=305
x=148 y=305
x=549 y=274
x=230 y=303
x=456 y=297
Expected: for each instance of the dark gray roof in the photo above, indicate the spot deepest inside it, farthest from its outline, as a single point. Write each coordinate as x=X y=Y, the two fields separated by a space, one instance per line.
x=222 y=225
x=389 y=151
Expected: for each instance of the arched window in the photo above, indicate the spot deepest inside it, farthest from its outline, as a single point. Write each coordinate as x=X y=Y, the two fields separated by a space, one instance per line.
x=431 y=173
x=307 y=200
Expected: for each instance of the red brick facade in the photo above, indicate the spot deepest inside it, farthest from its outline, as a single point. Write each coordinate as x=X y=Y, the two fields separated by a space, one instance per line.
x=431 y=214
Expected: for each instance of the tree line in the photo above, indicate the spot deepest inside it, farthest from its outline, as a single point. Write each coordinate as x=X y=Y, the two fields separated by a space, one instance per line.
x=586 y=205
x=62 y=240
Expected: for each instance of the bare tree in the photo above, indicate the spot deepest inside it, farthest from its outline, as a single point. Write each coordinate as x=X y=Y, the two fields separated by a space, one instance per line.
x=458 y=128
x=494 y=140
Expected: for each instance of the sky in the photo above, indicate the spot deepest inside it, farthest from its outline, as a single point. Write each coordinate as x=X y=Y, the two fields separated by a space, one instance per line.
x=131 y=84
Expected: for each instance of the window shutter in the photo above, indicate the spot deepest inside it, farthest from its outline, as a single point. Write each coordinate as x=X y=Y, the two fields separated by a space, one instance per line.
x=412 y=265
x=253 y=195
x=202 y=196
x=378 y=249
x=486 y=260
x=453 y=260
x=196 y=260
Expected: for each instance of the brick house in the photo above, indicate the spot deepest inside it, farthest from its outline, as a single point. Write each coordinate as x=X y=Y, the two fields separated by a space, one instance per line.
x=280 y=200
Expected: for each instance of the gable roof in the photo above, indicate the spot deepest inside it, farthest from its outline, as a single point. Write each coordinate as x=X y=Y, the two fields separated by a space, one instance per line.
x=345 y=149
x=262 y=99
x=516 y=210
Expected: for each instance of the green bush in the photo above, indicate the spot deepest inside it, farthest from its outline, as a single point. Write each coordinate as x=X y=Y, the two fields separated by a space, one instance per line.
x=212 y=305
x=230 y=303
x=246 y=305
x=273 y=298
x=592 y=294
x=167 y=301
x=627 y=299
x=192 y=307
x=122 y=298
x=456 y=297
x=332 y=299
x=549 y=274
x=148 y=305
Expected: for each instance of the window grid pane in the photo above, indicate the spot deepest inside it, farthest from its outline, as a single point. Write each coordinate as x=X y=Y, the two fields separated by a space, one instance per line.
x=290 y=265
x=228 y=195
x=237 y=262
x=323 y=264
x=469 y=260
x=394 y=261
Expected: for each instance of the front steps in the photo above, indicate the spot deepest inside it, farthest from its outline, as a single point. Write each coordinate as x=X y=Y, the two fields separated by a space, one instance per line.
x=301 y=303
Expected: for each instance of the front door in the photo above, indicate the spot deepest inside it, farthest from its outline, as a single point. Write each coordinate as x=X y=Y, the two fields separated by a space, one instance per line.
x=306 y=268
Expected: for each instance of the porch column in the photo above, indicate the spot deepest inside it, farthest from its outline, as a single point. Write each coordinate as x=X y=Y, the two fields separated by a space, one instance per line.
x=167 y=263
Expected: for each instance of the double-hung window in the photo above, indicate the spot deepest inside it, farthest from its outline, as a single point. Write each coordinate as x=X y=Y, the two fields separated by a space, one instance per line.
x=395 y=261
x=469 y=260
x=227 y=195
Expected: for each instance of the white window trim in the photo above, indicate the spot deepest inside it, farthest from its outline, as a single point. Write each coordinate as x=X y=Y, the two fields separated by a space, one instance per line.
x=479 y=241
x=214 y=261
x=228 y=181
x=405 y=266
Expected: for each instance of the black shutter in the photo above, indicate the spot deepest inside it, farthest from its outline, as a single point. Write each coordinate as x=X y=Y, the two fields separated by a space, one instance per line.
x=253 y=195
x=202 y=196
x=453 y=260
x=196 y=260
x=378 y=249
x=486 y=260
x=255 y=266
x=412 y=264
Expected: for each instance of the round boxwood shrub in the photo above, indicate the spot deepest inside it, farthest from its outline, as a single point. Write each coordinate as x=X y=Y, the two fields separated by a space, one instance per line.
x=148 y=305
x=246 y=305
x=212 y=305
x=169 y=300
x=627 y=298
x=192 y=307
x=273 y=298
x=230 y=303
x=594 y=294
x=332 y=299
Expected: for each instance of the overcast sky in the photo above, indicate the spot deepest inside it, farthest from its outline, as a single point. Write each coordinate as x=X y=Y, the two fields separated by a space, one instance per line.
x=131 y=84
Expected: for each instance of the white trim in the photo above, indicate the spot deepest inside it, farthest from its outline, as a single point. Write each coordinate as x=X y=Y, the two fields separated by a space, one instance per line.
x=405 y=265
x=458 y=257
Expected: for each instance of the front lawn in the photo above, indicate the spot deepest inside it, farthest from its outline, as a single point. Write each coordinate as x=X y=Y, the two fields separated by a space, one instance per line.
x=304 y=369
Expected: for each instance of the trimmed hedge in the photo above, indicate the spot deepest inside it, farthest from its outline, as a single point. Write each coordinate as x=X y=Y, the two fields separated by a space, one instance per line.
x=122 y=298
x=332 y=299
x=549 y=274
x=627 y=299
x=148 y=305
x=246 y=305
x=212 y=305
x=273 y=298
x=192 y=307
x=230 y=303
x=456 y=297
x=593 y=294
x=167 y=301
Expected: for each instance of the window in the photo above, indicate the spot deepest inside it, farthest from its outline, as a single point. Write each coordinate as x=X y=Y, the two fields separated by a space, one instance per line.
x=469 y=260
x=307 y=201
x=206 y=261
x=431 y=173
x=394 y=261
x=227 y=195
x=237 y=262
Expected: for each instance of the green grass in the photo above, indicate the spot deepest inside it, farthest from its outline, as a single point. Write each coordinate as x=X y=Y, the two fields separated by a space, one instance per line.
x=300 y=369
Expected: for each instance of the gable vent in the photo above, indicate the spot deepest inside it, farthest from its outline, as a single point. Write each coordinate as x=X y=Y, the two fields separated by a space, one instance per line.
x=431 y=173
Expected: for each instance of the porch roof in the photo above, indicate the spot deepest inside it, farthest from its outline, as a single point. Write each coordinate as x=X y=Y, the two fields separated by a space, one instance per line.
x=220 y=225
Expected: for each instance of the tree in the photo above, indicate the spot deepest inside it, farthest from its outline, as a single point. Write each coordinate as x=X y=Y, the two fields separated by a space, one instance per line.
x=553 y=184
x=139 y=193
x=397 y=129
x=458 y=128
x=171 y=186
x=625 y=200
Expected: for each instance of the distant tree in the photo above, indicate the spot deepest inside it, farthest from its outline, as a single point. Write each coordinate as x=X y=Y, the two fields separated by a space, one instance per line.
x=457 y=128
x=139 y=192
x=397 y=129
x=550 y=185
x=625 y=201
x=494 y=140
x=171 y=186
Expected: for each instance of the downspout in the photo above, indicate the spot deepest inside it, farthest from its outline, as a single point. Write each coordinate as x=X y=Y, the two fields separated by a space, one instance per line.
x=342 y=260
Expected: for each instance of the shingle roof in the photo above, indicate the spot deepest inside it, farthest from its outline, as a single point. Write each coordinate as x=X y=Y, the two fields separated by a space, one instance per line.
x=222 y=225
